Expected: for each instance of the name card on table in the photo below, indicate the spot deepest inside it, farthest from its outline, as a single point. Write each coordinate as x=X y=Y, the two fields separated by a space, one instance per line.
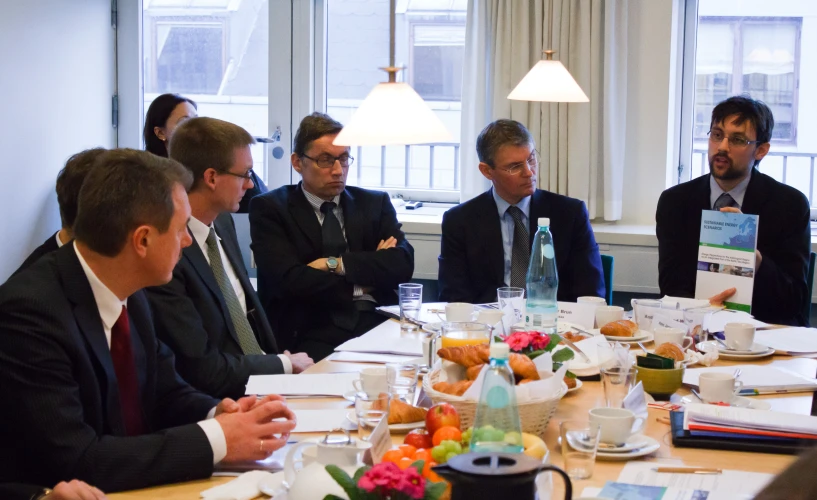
x=581 y=315
x=661 y=320
x=381 y=442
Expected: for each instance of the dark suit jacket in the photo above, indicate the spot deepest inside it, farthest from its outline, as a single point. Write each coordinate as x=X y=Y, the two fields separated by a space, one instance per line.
x=472 y=260
x=63 y=418
x=258 y=188
x=784 y=241
x=192 y=318
x=17 y=491
x=286 y=236
x=48 y=246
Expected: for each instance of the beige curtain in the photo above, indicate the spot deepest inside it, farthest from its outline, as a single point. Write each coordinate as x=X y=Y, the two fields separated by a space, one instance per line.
x=581 y=144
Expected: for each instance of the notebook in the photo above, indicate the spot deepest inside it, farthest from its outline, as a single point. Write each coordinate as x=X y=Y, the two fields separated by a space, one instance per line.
x=764 y=379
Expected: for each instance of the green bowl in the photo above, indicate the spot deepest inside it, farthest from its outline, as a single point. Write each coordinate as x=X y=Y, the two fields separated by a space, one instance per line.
x=661 y=384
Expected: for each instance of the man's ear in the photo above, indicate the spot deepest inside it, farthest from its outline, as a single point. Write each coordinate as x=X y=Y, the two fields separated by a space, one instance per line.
x=140 y=240
x=486 y=171
x=160 y=133
x=296 y=162
x=761 y=150
x=209 y=178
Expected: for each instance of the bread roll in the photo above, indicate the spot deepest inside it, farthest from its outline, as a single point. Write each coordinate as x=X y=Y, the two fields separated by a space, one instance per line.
x=670 y=350
x=570 y=382
x=620 y=328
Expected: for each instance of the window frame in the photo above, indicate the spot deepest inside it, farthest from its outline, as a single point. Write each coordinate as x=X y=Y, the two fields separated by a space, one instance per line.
x=413 y=21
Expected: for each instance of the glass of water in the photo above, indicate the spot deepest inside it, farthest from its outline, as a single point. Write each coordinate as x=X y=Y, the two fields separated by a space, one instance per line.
x=402 y=380
x=370 y=409
x=580 y=440
x=617 y=381
x=411 y=301
x=512 y=298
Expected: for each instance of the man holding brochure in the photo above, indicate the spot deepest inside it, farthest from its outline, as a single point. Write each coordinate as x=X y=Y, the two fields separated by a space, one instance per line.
x=739 y=138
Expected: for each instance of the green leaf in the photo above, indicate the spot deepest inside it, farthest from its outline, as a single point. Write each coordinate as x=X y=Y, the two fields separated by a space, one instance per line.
x=359 y=473
x=434 y=490
x=536 y=354
x=555 y=338
x=570 y=374
x=563 y=355
x=419 y=464
x=342 y=478
x=332 y=497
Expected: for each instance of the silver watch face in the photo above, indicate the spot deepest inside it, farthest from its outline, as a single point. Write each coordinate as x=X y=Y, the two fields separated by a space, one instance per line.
x=332 y=262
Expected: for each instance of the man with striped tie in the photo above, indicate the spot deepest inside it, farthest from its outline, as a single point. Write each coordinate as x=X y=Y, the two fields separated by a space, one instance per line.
x=739 y=138
x=209 y=313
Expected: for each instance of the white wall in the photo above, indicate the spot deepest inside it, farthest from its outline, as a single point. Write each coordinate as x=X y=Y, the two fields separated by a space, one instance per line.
x=56 y=62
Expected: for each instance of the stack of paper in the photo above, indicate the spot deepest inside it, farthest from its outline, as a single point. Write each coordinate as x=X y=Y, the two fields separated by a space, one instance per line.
x=323 y=420
x=763 y=379
x=798 y=341
x=302 y=385
x=718 y=320
x=370 y=357
x=745 y=421
x=385 y=338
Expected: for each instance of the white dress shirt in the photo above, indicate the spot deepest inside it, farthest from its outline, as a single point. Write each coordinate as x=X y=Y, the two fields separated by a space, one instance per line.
x=59 y=241
x=200 y=232
x=110 y=307
x=506 y=224
x=737 y=193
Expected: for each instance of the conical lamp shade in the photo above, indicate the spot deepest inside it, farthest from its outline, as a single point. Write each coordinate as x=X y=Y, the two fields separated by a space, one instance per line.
x=392 y=113
x=548 y=81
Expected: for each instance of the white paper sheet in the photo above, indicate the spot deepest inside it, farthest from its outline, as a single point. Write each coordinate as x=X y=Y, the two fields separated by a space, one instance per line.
x=303 y=385
x=386 y=338
x=322 y=420
x=718 y=320
x=748 y=418
x=369 y=357
x=762 y=378
x=793 y=341
x=731 y=484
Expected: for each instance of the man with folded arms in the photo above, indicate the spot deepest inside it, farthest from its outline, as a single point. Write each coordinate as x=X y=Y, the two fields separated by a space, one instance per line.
x=90 y=392
x=69 y=180
x=486 y=241
x=739 y=136
x=209 y=314
x=327 y=254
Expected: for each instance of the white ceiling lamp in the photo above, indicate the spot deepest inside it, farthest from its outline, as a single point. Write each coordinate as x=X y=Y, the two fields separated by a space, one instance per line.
x=548 y=81
x=392 y=113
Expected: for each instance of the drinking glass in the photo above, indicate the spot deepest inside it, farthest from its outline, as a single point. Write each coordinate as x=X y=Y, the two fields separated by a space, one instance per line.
x=580 y=440
x=411 y=301
x=402 y=380
x=617 y=381
x=370 y=409
x=696 y=320
x=644 y=311
x=463 y=333
x=512 y=298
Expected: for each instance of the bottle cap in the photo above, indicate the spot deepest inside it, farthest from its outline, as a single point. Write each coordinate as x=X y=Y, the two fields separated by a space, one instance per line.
x=500 y=350
x=544 y=222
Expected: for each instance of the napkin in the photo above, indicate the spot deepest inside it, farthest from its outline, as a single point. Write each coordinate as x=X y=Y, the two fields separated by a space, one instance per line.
x=244 y=487
x=699 y=358
x=636 y=401
x=547 y=387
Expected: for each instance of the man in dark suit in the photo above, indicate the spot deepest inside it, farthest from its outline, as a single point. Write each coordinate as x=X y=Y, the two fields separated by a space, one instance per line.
x=327 y=254
x=486 y=242
x=69 y=180
x=91 y=393
x=739 y=136
x=209 y=314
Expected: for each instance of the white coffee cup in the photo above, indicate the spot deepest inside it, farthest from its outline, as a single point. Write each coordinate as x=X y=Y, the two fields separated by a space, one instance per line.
x=717 y=387
x=608 y=314
x=459 y=311
x=673 y=335
x=489 y=316
x=739 y=336
x=589 y=299
x=616 y=424
x=372 y=380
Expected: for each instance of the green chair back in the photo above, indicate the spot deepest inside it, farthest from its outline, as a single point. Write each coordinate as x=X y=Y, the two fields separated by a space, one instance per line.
x=607 y=262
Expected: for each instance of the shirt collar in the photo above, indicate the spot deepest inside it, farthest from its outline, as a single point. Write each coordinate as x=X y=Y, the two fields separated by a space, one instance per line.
x=737 y=193
x=108 y=304
x=200 y=232
x=503 y=206
x=317 y=201
x=59 y=241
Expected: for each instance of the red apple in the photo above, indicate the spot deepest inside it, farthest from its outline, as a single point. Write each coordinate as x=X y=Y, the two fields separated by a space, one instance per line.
x=419 y=438
x=441 y=415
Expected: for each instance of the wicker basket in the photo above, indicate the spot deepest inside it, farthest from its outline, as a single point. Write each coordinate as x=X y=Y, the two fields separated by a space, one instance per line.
x=534 y=415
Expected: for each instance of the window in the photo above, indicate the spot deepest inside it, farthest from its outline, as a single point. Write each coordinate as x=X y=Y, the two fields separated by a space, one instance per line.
x=437 y=51
x=187 y=56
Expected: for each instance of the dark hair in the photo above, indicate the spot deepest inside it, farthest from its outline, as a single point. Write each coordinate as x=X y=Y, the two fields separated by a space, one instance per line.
x=312 y=128
x=157 y=115
x=202 y=143
x=745 y=108
x=69 y=182
x=500 y=133
x=126 y=189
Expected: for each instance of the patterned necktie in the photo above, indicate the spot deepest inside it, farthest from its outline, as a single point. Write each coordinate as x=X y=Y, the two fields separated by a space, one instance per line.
x=125 y=368
x=520 y=249
x=724 y=200
x=332 y=235
x=246 y=337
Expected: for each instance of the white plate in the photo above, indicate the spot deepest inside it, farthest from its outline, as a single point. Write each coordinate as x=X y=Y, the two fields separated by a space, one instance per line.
x=349 y=396
x=433 y=326
x=273 y=486
x=738 y=402
x=650 y=447
x=711 y=345
x=756 y=349
x=351 y=417
x=578 y=386
x=640 y=336
x=635 y=442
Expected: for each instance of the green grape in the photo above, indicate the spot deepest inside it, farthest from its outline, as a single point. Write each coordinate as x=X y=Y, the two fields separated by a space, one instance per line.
x=466 y=436
x=452 y=446
x=513 y=438
x=450 y=456
x=438 y=453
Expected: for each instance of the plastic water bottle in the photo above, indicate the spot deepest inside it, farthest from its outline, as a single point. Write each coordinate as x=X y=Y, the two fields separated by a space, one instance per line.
x=542 y=282
x=496 y=423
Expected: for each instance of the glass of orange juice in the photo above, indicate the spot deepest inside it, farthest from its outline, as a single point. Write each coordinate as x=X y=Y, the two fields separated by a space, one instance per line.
x=456 y=334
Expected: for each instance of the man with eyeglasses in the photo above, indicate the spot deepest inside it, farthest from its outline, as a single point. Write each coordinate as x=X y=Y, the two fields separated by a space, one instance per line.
x=328 y=254
x=209 y=314
x=739 y=136
x=486 y=241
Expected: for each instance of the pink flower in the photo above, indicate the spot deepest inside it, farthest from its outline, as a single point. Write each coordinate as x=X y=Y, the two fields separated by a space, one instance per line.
x=518 y=341
x=412 y=484
x=540 y=341
x=385 y=475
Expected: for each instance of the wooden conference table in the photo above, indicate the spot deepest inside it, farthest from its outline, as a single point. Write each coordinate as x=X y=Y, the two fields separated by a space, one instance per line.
x=572 y=406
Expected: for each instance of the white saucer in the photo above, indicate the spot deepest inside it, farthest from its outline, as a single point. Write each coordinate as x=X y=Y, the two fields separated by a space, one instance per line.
x=640 y=336
x=711 y=345
x=351 y=417
x=349 y=396
x=648 y=447
x=738 y=402
x=578 y=386
x=635 y=442
x=755 y=349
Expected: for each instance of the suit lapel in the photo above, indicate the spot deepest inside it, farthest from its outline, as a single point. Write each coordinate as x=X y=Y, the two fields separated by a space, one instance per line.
x=492 y=236
x=756 y=193
x=351 y=222
x=86 y=313
x=305 y=218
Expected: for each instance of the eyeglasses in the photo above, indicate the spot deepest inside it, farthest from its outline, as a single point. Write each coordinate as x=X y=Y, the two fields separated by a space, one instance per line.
x=328 y=161
x=530 y=164
x=716 y=137
x=247 y=176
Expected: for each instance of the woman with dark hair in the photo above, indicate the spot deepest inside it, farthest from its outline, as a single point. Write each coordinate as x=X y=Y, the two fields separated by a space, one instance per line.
x=165 y=113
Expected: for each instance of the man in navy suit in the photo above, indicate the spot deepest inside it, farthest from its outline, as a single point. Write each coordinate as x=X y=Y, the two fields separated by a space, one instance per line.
x=209 y=314
x=69 y=181
x=486 y=241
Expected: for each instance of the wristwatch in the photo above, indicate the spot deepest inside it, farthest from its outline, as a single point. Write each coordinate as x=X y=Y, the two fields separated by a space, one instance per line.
x=42 y=494
x=332 y=264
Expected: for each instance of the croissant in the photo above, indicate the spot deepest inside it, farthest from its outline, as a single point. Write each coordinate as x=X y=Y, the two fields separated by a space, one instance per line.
x=404 y=413
x=620 y=328
x=473 y=372
x=670 y=350
x=455 y=389
x=522 y=366
x=466 y=356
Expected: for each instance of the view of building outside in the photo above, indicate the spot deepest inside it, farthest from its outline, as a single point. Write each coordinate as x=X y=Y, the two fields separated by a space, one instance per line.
x=765 y=53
